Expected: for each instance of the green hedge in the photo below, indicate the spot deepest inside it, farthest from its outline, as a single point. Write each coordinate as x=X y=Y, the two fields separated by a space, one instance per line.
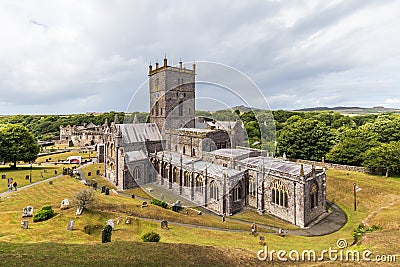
x=45 y=213
x=151 y=237
x=159 y=203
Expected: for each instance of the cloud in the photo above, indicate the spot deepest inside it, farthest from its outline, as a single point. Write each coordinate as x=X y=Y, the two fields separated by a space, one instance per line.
x=72 y=56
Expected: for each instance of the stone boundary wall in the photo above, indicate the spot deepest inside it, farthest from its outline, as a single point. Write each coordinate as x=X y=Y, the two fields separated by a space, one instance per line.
x=333 y=165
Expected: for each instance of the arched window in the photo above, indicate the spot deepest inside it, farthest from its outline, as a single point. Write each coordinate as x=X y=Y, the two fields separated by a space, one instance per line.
x=199 y=184
x=252 y=186
x=136 y=173
x=186 y=179
x=156 y=107
x=279 y=193
x=175 y=175
x=314 y=195
x=237 y=192
x=213 y=190
x=180 y=107
x=184 y=150
x=193 y=152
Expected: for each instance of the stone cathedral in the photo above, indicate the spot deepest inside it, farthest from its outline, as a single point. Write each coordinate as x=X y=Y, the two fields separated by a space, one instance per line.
x=206 y=163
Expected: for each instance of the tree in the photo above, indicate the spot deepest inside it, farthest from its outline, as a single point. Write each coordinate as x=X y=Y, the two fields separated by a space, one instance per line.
x=385 y=156
x=305 y=139
x=351 y=146
x=17 y=144
x=84 y=198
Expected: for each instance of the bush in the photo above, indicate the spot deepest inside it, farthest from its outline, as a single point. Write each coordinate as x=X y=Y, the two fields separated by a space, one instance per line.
x=84 y=198
x=45 y=213
x=362 y=229
x=90 y=228
x=151 y=237
x=159 y=203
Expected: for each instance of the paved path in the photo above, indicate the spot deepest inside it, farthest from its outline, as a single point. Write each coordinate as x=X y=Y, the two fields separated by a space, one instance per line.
x=330 y=224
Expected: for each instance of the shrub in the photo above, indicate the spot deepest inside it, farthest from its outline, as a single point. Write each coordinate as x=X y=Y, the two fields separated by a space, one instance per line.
x=45 y=213
x=362 y=229
x=90 y=228
x=84 y=198
x=151 y=237
x=159 y=203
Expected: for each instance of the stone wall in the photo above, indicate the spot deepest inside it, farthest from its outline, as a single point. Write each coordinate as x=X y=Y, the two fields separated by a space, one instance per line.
x=333 y=165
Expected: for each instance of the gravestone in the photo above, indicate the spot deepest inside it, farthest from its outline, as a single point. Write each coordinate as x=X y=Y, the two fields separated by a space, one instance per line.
x=106 y=234
x=107 y=191
x=27 y=177
x=103 y=189
x=98 y=172
x=27 y=211
x=70 y=225
x=3 y=176
x=64 y=204
x=45 y=171
x=262 y=240
x=55 y=172
x=89 y=174
x=24 y=224
x=127 y=220
x=111 y=223
x=164 y=224
x=119 y=220
x=94 y=185
x=79 y=210
x=50 y=182
x=177 y=206
x=254 y=229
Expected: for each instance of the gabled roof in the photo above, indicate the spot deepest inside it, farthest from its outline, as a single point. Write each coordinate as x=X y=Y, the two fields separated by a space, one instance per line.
x=139 y=132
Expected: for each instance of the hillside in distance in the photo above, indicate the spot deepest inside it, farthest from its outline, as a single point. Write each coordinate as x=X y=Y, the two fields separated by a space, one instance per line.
x=353 y=110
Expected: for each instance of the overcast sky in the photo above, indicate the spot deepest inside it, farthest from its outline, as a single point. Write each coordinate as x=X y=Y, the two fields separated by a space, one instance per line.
x=80 y=56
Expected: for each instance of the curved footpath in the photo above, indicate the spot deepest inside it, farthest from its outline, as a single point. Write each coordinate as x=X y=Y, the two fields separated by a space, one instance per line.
x=335 y=220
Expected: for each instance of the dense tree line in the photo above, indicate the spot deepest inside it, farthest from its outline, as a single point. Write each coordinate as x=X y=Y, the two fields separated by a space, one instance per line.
x=47 y=127
x=372 y=141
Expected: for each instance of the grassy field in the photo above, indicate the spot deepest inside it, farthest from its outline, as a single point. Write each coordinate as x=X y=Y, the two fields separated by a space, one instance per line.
x=63 y=156
x=378 y=203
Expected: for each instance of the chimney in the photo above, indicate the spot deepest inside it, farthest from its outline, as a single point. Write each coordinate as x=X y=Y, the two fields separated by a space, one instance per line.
x=301 y=170
x=180 y=66
x=165 y=61
x=150 y=68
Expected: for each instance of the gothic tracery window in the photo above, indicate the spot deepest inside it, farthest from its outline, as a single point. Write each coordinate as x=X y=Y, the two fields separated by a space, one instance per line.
x=213 y=190
x=237 y=192
x=279 y=193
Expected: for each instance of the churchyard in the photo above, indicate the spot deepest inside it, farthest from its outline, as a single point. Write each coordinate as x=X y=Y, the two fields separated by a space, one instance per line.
x=204 y=237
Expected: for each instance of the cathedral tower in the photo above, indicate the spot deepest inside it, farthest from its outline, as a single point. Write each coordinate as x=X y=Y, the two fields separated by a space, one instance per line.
x=172 y=96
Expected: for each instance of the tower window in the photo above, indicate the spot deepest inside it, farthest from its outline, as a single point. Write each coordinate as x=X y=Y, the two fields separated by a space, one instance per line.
x=156 y=107
x=184 y=150
x=161 y=111
x=180 y=108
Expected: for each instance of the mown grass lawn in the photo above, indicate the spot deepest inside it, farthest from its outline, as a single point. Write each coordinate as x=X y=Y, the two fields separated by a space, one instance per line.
x=378 y=203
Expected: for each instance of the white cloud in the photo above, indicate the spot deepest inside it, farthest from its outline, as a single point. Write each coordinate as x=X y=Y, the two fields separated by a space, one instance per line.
x=336 y=53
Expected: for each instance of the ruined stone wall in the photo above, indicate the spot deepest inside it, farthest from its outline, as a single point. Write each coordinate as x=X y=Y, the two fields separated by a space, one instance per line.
x=333 y=165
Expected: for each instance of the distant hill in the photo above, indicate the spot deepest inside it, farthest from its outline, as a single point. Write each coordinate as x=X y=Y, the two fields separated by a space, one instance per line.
x=352 y=110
